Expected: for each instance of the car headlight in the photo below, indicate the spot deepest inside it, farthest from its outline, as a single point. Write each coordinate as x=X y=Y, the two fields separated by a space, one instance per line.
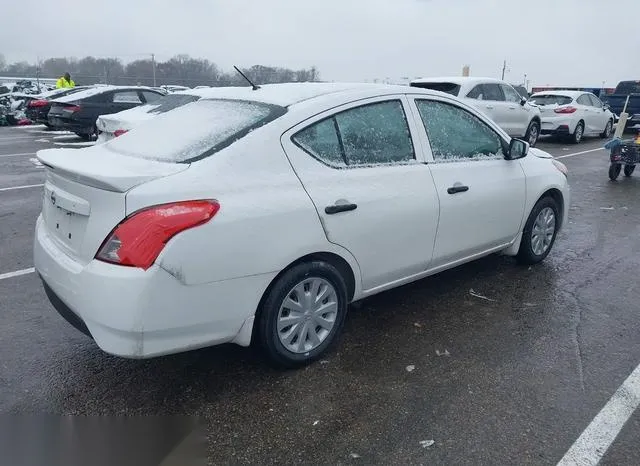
x=562 y=168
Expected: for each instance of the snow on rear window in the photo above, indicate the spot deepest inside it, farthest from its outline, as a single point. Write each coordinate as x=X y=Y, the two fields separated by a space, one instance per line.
x=551 y=99
x=194 y=130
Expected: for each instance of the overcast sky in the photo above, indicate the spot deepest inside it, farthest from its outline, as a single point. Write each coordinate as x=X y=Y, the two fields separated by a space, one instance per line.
x=558 y=42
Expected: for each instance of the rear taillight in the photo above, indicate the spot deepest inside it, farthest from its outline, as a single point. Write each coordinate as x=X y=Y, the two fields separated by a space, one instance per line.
x=119 y=132
x=72 y=108
x=38 y=103
x=139 y=239
x=565 y=110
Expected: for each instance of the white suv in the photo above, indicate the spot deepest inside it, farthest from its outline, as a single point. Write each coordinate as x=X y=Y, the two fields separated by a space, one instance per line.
x=497 y=99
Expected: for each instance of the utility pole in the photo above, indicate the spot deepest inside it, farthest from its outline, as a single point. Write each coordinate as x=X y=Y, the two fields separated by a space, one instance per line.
x=153 y=66
x=504 y=68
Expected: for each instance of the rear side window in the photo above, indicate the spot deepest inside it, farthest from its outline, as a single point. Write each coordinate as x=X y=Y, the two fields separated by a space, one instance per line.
x=194 y=131
x=546 y=99
x=449 y=88
x=477 y=92
x=493 y=92
x=126 y=97
x=372 y=134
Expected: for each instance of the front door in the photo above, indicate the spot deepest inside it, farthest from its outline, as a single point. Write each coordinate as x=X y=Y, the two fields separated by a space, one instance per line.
x=482 y=195
x=517 y=114
x=362 y=170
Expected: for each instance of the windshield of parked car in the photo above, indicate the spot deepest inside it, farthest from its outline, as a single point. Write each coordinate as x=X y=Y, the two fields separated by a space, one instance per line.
x=195 y=130
x=628 y=87
x=548 y=99
x=449 y=88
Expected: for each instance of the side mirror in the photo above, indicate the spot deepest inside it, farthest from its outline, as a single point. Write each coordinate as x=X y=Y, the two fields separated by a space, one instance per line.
x=517 y=149
x=523 y=101
x=605 y=106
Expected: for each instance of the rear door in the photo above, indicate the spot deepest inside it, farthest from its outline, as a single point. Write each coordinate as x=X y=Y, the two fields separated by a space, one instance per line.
x=365 y=175
x=487 y=99
x=482 y=195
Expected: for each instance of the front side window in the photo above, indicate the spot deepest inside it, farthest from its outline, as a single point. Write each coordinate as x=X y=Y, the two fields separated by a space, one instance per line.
x=584 y=100
x=510 y=94
x=368 y=135
x=457 y=135
x=595 y=102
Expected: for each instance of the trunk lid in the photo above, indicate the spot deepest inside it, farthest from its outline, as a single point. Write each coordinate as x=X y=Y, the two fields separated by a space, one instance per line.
x=85 y=193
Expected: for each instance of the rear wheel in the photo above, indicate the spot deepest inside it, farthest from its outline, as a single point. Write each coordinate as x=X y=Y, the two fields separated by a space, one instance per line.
x=532 y=134
x=578 y=133
x=302 y=314
x=628 y=169
x=614 y=171
x=539 y=232
x=607 y=130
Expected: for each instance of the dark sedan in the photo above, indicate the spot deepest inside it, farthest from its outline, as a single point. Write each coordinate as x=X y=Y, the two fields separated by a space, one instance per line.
x=38 y=108
x=78 y=112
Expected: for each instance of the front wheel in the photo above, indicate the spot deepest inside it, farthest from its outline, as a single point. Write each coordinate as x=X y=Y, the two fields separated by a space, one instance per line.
x=607 y=130
x=532 y=134
x=628 y=169
x=614 y=171
x=539 y=232
x=302 y=314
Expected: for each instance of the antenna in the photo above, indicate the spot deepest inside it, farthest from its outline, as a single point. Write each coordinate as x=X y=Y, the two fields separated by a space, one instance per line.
x=253 y=86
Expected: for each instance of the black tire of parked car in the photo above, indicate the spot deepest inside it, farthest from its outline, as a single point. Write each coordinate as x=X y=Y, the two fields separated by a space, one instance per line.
x=577 y=136
x=614 y=171
x=533 y=126
x=606 y=134
x=525 y=253
x=628 y=169
x=266 y=326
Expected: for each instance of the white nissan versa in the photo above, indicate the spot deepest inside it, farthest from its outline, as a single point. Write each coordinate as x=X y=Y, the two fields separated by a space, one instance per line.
x=259 y=215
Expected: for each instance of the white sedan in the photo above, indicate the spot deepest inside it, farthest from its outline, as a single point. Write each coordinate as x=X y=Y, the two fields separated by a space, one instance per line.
x=573 y=114
x=257 y=216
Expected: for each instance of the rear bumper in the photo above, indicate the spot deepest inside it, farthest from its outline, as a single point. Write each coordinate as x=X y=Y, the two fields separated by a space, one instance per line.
x=76 y=126
x=558 y=125
x=134 y=313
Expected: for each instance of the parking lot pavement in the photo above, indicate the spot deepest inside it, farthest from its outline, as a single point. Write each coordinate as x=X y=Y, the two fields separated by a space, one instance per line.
x=511 y=373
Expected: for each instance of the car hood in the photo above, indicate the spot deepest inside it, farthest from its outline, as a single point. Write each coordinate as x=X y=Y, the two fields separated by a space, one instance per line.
x=540 y=153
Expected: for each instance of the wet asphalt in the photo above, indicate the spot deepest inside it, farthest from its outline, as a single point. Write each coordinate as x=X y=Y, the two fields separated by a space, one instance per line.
x=510 y=378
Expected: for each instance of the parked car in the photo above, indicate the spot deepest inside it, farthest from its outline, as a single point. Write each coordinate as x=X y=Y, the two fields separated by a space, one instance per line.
x=116 y=124
x=79 y=111
x=174 y=88
x=573 y=114
x=38 y=108
x=618 y=99
x=257 y=216
x=498 y=99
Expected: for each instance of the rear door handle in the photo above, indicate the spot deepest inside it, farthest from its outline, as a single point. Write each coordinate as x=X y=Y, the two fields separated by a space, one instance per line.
x=337 y=208
x=457 y=189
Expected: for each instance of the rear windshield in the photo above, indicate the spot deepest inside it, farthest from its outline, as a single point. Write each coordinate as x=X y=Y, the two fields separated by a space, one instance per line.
x=449 y=88
x=172 y=101
x=628 y=87
x=550 y=99
x=195 y=130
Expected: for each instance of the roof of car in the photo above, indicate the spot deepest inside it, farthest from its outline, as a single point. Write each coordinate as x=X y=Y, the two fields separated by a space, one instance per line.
x=456 y=80
x=99 y=90
x=291 y=93
x=560 y=92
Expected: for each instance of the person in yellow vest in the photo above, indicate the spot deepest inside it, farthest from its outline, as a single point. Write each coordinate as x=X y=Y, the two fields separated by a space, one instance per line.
x=65 y=81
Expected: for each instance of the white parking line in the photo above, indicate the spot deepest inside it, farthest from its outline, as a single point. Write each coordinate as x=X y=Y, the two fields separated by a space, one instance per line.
x=22 y=187
x=17 y=273
x=605 y=427
x=580 y=153
x=13 y=138
x=17 y=155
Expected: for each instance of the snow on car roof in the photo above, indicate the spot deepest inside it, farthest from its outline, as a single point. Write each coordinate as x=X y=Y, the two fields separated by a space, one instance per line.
x=561 y=93
x=97 y=90
x=291 y=93
x=456 y=80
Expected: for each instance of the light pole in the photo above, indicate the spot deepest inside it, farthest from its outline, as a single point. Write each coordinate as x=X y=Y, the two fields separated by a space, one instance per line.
x=153 y=66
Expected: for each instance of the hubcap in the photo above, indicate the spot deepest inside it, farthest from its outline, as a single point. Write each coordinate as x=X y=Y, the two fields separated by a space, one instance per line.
x=307 y=315
x=543 y=229
x=533 y=135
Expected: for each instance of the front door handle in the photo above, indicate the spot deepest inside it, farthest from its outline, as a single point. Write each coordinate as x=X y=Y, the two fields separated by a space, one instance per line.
x=457 y=189
x=337 y=208
x=490 y=107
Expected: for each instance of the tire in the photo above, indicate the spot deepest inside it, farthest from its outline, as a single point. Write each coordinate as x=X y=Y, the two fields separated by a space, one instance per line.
x=606 y=134
x=578 y=133
x=536 y=243
x=628 y=169
x=282 y=344
x=85 y=136
x=614 y=171
x=533 y=133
